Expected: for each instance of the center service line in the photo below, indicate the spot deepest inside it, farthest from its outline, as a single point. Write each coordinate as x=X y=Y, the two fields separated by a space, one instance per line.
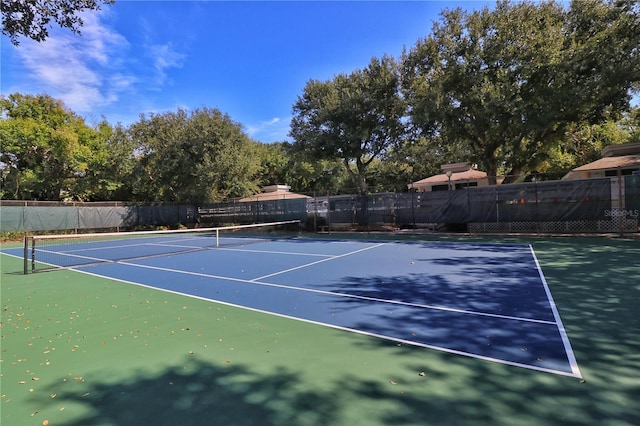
x=317 y=262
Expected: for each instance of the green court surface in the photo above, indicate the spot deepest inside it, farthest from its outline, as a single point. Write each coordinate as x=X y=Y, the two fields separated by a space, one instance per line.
x=82 y=350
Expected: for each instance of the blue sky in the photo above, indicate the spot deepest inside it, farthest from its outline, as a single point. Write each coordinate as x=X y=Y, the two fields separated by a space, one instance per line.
x=251 y=60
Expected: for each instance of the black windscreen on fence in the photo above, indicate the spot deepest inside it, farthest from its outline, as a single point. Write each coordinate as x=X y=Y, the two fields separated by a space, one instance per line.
x=527 y=202
x=26 y=216
x=632 y=196
x=253 y=211
x=589 y=202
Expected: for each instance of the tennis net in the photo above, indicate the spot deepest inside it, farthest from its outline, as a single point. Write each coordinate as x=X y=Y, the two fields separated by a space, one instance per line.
x=50 y=252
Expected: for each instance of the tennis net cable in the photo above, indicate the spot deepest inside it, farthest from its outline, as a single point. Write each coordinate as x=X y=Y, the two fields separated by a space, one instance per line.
x=50 y=252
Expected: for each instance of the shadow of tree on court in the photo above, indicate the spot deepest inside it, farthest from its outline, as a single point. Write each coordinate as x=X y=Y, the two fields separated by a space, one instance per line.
x=596 y=286
x=472 y=301
x=469 y=283
x=199 y=393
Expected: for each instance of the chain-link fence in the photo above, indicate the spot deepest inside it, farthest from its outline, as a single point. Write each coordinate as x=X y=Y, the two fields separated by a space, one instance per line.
x=603 y=205
x=20 y=216
x=571 y=206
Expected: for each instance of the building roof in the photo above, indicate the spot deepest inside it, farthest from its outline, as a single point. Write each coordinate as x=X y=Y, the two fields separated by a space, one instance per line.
x=621 y=156
x=467 y=175
x=621 y=149
x=274 y=192
x=624 y=161
x=609 y=163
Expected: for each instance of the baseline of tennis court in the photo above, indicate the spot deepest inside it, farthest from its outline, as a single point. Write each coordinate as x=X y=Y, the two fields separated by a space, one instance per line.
x=487 y=301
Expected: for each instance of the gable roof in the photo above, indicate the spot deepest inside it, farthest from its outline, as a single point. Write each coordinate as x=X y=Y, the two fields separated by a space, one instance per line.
x=466 y=176
x=274 y=192
x=624 y=161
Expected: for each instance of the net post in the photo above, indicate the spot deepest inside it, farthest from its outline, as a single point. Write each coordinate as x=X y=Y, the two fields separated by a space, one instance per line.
x=33 y=254
x=25 y=256
x=217 y=238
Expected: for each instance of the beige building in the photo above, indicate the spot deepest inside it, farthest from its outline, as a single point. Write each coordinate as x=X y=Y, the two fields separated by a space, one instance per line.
x=453 y=176
x=617 y=162
x=622 y=159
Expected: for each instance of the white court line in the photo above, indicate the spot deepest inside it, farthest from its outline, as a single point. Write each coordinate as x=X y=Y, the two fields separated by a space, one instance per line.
x=339 y=294
x=69 y=254
x=274 y=252
x=140 y=244
x=573 y=364
x=319 y=261
x=563 y=334
x=258 y=281
x=353 y=330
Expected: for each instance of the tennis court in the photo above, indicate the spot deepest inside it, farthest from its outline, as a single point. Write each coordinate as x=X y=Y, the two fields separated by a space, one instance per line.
x=274 y=321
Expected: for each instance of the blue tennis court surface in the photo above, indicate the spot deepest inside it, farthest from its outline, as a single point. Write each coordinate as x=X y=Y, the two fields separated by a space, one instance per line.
x=487 y=301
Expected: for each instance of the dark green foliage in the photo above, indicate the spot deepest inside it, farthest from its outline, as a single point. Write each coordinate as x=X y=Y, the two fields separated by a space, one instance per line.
x=196 y=157
x=353 y=118
x=48 y=152
x=508 y=82
x=32 y=18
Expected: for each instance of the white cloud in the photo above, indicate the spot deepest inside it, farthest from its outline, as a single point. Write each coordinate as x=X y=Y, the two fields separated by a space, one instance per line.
x=274 y=130
x=164 y=56
x=82 y=71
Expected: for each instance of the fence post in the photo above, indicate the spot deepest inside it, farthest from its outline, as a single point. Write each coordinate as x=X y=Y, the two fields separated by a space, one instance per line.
x=413 y=209
x=315 y=212
x=621 y=211
x=497 y=206
x=535 y=188
x=77 y=217
x=328 y=212
x=26 y=253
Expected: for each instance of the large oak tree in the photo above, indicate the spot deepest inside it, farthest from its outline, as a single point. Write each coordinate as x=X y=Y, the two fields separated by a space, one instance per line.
x=509 y=81
x=48 y=152
x=202 y=156
x=354 y=118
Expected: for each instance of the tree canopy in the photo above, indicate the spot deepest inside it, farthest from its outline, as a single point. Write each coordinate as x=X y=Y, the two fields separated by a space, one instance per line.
x=32 y=18
x=46 y=149
x=354 y=118
x=508 y=82
x=198 y=157
x=530 y=87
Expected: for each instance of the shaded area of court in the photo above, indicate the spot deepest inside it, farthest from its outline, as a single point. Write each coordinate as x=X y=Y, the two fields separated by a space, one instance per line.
x=106 y=348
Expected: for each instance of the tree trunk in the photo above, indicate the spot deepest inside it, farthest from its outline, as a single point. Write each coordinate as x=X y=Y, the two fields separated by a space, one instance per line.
x=363 y=195
x=492 y=173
